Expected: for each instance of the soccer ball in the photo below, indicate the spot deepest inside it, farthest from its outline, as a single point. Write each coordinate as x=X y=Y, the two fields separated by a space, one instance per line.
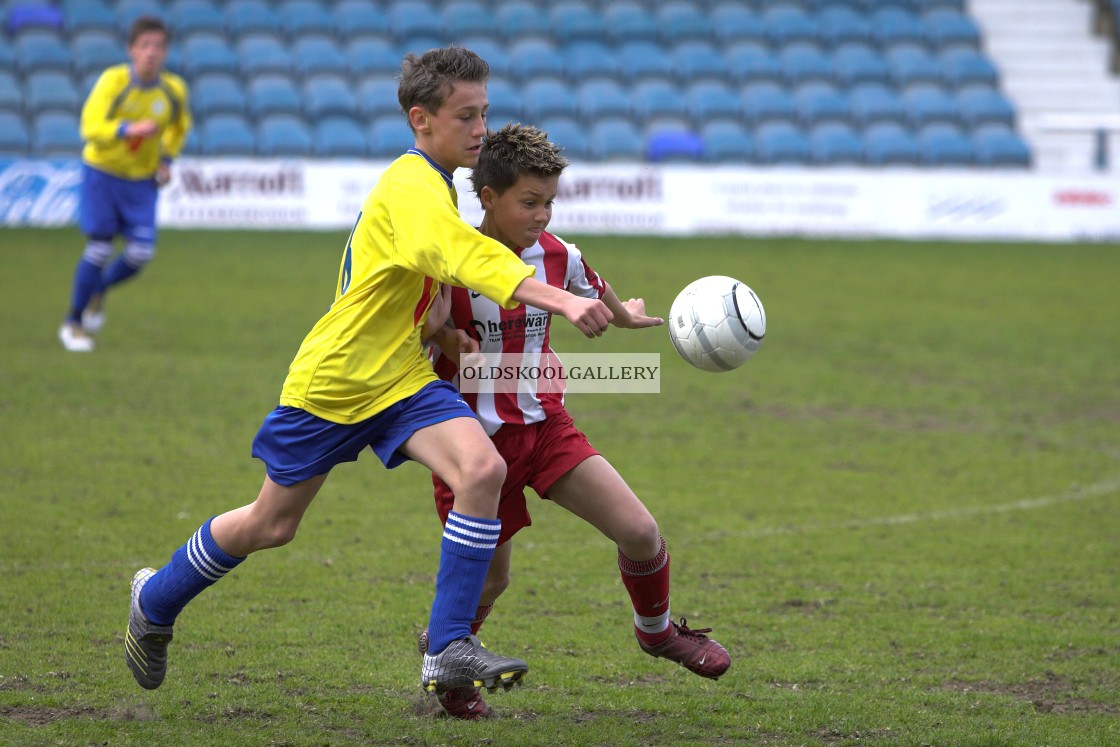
x=717 y=323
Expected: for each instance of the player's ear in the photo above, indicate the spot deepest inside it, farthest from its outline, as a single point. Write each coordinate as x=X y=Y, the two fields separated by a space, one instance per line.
x=486 y=197
x=419 y=119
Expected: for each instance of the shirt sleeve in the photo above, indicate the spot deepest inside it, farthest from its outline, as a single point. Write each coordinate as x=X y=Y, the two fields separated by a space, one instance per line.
x=96 y=127
x=431 y=238
x=175 y=134
x=582 y=280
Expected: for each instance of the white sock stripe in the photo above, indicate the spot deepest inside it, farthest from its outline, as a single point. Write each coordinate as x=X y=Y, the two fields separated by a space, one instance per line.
x=447 y=535
x=138 y=254
x=486 y=525
x=97 y=252
x=201 y=561
x=484 y=536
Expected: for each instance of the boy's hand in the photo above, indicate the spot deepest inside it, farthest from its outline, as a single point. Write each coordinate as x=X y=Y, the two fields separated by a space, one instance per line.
x=635 y=317
x=438 y=313
x=142 y=129
x=590 y=316
x=454 y=343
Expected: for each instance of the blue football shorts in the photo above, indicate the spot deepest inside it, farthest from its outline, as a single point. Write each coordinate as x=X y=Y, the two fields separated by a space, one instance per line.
x=296 y=445
x=112 y=206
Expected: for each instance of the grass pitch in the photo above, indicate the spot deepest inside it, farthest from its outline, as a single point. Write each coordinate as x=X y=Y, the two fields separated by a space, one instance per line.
x=902 y=517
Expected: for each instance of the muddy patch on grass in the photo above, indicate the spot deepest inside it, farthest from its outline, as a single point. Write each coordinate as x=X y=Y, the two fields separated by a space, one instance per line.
x=43 y=715
x=1048 y=694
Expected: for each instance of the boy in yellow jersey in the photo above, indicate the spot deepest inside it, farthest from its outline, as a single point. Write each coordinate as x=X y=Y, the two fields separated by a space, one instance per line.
x=361 y=379
x=134 y=122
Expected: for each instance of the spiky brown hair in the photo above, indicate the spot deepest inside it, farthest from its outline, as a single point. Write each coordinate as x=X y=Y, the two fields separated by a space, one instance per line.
x=427 y=80
x=513 y=151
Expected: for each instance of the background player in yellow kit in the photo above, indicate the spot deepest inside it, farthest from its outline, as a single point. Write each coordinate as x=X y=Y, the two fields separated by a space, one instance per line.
x=134 y=122
x=361 y=378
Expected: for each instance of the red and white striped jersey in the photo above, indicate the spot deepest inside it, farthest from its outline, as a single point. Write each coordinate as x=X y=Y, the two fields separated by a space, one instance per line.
x=523 y=330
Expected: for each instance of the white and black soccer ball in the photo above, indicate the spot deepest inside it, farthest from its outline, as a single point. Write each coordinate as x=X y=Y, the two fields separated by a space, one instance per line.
x=717 y=323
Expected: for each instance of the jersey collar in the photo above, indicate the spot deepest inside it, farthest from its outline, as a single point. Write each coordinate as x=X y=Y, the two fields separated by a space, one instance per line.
x=134 y=79
x=442 y=172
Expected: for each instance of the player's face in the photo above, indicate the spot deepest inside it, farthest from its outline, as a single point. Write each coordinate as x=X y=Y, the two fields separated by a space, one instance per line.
x=517 y=216
x=148 y=53
x=453 y=135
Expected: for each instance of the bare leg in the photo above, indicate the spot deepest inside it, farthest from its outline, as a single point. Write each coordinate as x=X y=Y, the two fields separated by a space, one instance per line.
x=269 y=521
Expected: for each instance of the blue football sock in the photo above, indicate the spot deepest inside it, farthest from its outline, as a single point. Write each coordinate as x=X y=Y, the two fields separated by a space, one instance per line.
x=195 y=566
x=117 y=272
x=468 y=546
x=87 y=281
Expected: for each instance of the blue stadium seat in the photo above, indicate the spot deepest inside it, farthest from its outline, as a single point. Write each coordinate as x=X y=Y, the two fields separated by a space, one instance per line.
x=875 y=102
x=964 y=66
x=208 y=53
x=259 y=53
x=712 y=99
x=697 y=59
x=328 y=96
x=11 y=95
x=732 y=23
x=924 y=6
x=748 y=62
x=316 y=54
x=55 y=133
x=491 y=49
x=674 y=145
x=890 y=144
x=300 y=17
x=128 y=11
x=357 y=18
x=602 y=97
x=911 y=63
x=51 y=90
x=193 y=16
x=643 y=59
x=650 y=99
x=339 y=137
x=981 y=105
x=193 y=145
x=781 y=143
x=7 y=55
x=93 y=51
x=896 y=26
x=413 y=18
x=377 y=96
x=548 y=97
x=927 y=103
x=273 y=93
x=680 y=21
x=372 y=55
x=840 y=24
x=766 y=101
x=37 y=49
x=217 y=93
x=589 y=59
x=518 y=20
x=506 y=103
x=389 y=136
x=803 y=62
x=615 y=138
x=570 y=135
x=834 y=144
x=89 y=15
x=252 y=17
x=15 y=140
x=819 y=102
x=226 y=135
x=997 y=145
x=726 y=141
x=572 y=20
x=943 y=144
x=629 y=21
x=787 y=23
x=534 y=57
x=24 y=16
x=283 y=135
x=951 y=27
x=856 y=63
x=465 y=18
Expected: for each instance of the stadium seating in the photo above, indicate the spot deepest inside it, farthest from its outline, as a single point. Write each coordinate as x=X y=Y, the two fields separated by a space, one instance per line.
x=283 y=135
x=849 y=80
x=15 y=140
x=55 y=133
x=569 y=134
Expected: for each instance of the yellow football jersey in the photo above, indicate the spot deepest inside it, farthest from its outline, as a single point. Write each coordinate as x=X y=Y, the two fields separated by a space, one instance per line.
x=118 y=99
x=365 y=353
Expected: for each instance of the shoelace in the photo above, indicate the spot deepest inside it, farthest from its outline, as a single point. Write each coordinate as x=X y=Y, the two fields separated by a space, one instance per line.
x=683 y=629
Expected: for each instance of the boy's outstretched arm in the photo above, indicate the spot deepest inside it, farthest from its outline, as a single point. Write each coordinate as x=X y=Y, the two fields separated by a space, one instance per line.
x=629 y=314
x=588 y=315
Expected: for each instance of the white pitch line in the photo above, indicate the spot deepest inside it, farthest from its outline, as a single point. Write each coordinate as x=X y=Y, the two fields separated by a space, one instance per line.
x=1106 y=487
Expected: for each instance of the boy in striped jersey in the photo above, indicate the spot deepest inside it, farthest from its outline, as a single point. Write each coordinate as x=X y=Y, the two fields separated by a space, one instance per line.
x=361 y=379
x=516 y=180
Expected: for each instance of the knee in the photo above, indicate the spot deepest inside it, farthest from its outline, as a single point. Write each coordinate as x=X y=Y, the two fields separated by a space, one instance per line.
x=495 y=584
x=641 y=539
x=273 y=533
x=485 y=475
